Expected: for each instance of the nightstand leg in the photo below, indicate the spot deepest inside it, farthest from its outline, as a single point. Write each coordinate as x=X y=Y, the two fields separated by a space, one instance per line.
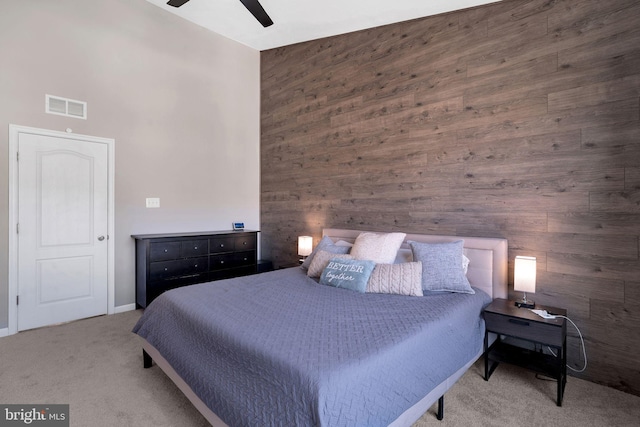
x=440 y=414
x=146 y=360
x=488 y=370
x=562 y=372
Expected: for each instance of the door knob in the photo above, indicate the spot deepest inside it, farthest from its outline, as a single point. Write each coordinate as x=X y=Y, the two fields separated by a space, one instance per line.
x=101 y=238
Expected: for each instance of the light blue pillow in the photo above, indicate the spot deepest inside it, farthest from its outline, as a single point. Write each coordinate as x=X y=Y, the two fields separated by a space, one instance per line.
x=349 y=274
x=442 y=266
x=326 y=244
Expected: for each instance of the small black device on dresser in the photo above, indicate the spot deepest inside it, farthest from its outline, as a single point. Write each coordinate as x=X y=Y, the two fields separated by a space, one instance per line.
x=171 y=260
x=521 y=336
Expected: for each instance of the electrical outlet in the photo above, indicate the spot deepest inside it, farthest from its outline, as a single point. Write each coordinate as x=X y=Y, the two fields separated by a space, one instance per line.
x=153 y=202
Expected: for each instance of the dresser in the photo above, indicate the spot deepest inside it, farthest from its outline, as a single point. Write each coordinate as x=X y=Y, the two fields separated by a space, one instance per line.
x=170 y=260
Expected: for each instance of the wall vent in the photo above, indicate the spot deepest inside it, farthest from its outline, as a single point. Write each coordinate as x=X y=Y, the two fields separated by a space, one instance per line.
x=65 y=107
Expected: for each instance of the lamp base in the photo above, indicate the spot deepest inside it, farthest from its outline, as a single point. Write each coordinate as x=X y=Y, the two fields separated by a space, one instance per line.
x=525 y=304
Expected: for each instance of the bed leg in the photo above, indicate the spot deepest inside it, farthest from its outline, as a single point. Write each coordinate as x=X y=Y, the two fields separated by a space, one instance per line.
x=146 y=360
x=440 y=414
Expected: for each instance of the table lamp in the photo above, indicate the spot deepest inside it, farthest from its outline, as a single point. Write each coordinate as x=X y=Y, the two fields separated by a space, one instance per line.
x=524 y=279
x=305 y=246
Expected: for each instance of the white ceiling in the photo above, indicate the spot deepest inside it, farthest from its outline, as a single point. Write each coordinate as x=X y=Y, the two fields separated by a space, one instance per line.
x=302 y=20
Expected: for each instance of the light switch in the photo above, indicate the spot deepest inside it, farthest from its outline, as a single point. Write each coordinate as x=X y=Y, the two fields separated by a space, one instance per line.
x=153 y=202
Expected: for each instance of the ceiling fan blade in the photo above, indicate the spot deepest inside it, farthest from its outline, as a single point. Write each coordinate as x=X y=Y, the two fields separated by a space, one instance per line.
x=176 y=3
x=258 y=11
x=252 y=6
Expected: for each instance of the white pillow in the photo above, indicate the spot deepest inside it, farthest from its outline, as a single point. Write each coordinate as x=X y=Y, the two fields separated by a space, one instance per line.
x=400 y=279
x=379 y=247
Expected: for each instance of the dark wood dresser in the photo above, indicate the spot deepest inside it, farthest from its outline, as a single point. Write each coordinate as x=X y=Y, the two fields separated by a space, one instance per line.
x=170 y=260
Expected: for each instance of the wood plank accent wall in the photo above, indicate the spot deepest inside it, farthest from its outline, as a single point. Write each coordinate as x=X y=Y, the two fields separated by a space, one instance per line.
x=519 y=119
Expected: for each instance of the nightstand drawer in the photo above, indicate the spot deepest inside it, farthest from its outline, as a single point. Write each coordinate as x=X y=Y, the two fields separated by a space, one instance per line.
x=539 y=332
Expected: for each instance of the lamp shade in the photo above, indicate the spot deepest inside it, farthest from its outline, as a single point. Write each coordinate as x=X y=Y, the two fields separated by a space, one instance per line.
x=305 y=245
x=524 y=274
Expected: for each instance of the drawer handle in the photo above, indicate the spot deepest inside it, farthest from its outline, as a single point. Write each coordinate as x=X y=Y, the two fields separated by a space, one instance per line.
x=165 y=269
x=244 y=243
x=195 y=266
x=222 y=245
x=195 y=247
x=519 y=322
x=246 y=259
x=166 y=250
x=221 y=262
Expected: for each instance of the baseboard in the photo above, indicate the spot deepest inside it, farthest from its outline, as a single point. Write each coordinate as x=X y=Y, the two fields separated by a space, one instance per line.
x=123 y=308
x=4 y=332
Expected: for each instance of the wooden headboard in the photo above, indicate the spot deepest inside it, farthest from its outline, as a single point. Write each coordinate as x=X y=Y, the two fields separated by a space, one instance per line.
x=487 y=256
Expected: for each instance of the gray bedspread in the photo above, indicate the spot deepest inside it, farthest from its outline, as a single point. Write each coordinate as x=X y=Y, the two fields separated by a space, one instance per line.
x=279 y=349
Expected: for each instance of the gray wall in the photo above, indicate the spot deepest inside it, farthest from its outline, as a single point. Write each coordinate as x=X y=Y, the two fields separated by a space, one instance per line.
x=181 y=103
x=518 y=119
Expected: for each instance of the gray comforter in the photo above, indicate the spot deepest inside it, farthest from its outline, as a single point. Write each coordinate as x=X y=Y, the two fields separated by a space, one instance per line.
x=279 y=349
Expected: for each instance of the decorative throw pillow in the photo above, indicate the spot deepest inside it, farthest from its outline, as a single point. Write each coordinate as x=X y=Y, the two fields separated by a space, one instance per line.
x=321 y=260
x=326 y=244
x=347 y=273
x=400 y=279
x=441 y=266
x=465 y=264
x=379 y=247
x=344 y=243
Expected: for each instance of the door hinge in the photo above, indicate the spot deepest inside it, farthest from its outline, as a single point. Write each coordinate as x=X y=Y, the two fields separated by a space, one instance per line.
x=17 y=299
x=18 y=228
x=17 y=156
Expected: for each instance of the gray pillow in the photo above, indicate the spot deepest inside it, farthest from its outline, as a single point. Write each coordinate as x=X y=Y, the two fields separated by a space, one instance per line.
x=326 y=244
x=441 y=266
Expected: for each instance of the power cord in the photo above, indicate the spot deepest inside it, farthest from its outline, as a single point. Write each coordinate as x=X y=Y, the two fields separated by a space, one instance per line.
x=584 y=351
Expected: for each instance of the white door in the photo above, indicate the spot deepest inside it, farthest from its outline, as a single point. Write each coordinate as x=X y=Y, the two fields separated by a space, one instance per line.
x=62 y=230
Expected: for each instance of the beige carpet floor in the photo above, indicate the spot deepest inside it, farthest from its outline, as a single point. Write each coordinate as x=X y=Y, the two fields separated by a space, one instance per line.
x=95 y=366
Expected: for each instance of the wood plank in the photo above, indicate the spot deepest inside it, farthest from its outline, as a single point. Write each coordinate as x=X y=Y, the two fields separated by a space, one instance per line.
x=604 y=223
x=599 y=93
x=593 y=266
x=632 y=178
x=618 y=247
x=585 y=288
x=615 y=201
x=632 y=293
x=472 y=223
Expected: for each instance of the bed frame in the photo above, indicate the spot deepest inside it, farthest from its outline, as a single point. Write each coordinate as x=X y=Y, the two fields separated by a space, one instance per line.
x=487 y=271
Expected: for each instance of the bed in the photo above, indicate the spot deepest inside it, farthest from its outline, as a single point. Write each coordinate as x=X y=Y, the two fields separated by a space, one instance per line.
x=279 y=348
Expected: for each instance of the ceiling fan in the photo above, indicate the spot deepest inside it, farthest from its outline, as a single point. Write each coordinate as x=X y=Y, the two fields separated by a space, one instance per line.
x=252 y=6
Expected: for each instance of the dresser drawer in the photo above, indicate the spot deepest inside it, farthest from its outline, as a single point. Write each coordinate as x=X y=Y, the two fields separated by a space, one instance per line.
x=193 y=248
x=539 y=332
x=221 y=244
x=176 y=268
x=222 y=261
x=241 y=259
x=162 y=251
x=247 y=242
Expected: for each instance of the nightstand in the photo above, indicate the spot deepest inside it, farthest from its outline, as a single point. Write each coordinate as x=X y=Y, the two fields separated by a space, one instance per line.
x=522 y=335
x=288 y=265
